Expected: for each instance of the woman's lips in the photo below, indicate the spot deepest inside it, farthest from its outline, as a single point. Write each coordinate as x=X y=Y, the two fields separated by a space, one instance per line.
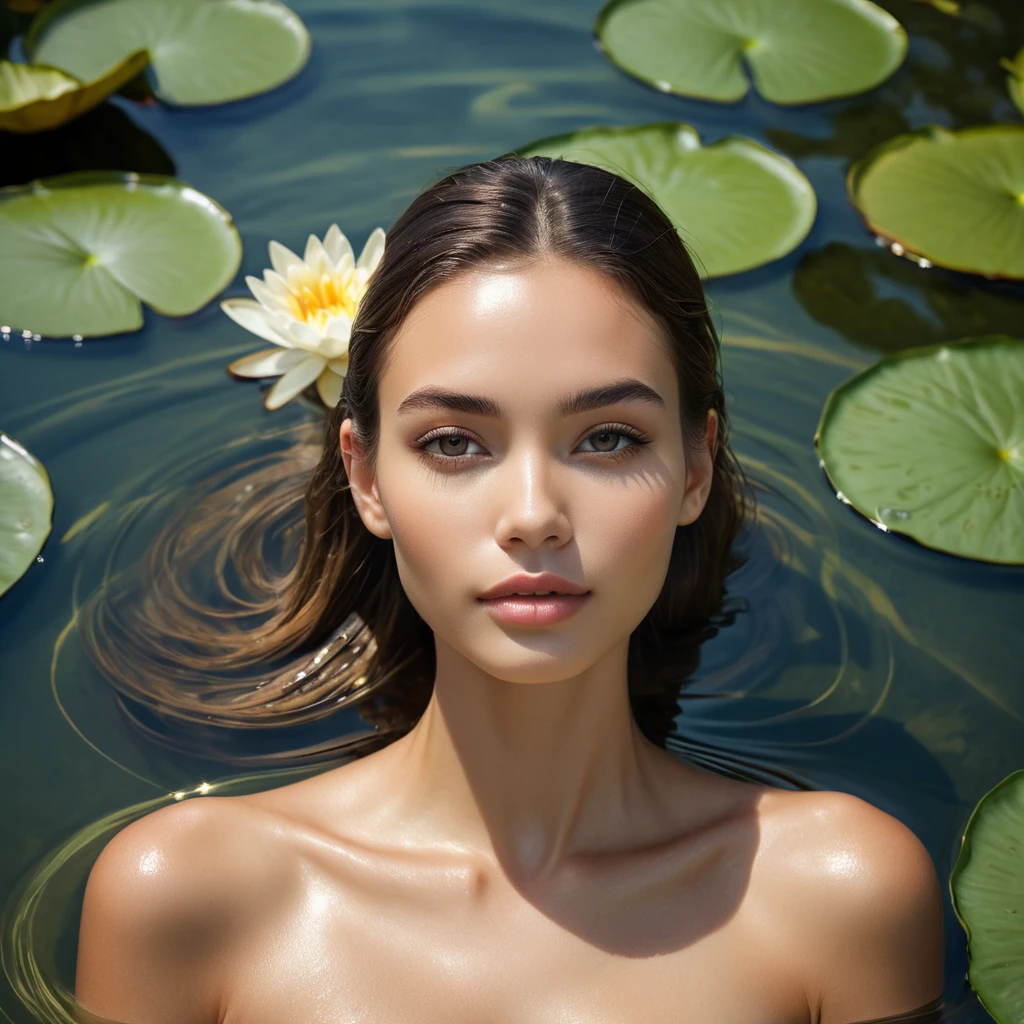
x=542 y=610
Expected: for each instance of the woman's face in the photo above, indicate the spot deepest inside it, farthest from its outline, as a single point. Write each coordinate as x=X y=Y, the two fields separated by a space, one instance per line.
x=484 y=471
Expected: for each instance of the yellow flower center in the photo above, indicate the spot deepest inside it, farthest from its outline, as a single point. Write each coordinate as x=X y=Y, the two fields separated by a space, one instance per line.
x=314 y=299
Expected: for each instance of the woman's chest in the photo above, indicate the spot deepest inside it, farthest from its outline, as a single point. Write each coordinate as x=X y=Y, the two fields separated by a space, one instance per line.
x=340 y=959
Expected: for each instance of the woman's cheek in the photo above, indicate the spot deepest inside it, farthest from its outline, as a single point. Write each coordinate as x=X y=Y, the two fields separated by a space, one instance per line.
x=626 y=544
x=432 y=535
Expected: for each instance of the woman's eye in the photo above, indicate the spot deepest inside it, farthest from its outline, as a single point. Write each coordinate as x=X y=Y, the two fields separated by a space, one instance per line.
x=450 y=445
x=608 y=441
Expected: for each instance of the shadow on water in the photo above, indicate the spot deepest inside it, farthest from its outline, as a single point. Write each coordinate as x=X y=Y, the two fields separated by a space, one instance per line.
x=881 y=302
x=104 y=139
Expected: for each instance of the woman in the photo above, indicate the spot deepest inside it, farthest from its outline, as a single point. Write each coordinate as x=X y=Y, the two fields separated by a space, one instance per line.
x=528 y=497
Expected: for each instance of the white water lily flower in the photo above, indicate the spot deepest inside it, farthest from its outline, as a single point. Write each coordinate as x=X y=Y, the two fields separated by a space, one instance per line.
x=307 y=307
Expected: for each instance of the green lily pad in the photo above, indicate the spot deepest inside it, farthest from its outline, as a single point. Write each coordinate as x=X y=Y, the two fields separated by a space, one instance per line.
x=1015 y=80
x=930 y=443
x=26 y=505
x=35 y=98
x=987 y=885
x=78 y=252
x=736 y=203
x=201 y=51
x=953 y=198
x=797 y=51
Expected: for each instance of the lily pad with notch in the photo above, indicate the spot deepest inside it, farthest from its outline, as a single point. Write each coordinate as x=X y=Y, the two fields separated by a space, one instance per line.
x=987 y=886
x=80 y=253
x=736 y=203
x=796 y=51
x=930 y=443
x=26 y=509
x=200 y=51
x=952 y=198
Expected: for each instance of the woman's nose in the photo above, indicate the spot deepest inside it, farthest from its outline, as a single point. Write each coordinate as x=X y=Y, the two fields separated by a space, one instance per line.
x=529 y=503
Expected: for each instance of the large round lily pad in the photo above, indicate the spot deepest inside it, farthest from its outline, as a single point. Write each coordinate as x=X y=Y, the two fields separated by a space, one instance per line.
x=26 y=505
x=35 y=98
x=955 y=198
x=736 y=203
x=930 y=443
x=987 y=885
x=79 y=251
x=797 y=51
x=201 y=51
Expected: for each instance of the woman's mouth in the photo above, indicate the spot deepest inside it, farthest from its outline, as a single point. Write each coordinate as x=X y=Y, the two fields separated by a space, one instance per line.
x=534 y=609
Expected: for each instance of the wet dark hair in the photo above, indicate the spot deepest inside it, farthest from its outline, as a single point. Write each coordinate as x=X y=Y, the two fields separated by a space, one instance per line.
x=345 y=586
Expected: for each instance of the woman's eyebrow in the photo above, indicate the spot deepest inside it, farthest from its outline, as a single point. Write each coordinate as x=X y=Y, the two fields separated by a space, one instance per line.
x=629 y=389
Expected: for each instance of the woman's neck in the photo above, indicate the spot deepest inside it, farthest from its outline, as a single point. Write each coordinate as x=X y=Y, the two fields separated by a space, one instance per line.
x=528 y=773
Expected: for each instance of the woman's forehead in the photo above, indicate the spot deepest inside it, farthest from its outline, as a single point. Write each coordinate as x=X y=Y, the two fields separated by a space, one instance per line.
x=542 y=329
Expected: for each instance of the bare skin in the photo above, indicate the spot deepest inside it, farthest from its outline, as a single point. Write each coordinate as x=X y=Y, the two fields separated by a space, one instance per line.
x=524 y=854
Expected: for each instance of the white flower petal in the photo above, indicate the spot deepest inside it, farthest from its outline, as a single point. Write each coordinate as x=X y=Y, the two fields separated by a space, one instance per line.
x=253 y=317
x=276 y=283
x=283 y=259
x=303 y=335
x=339 y=365
x=328 y=387
x=268 y=362
x=337 y=245
x=316 y=257
x=266 y=296
x=339 y=327
x=295 y=381
x=372 y=251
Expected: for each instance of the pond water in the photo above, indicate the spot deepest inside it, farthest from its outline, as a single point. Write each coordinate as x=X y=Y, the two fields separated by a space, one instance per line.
x=852 y=659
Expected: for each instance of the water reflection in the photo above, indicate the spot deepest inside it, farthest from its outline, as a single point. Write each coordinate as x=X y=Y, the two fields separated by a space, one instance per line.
x=881 y=302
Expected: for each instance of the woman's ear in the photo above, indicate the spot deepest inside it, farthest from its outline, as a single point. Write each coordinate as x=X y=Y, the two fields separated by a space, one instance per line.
x=700 y=471
x=362 y=482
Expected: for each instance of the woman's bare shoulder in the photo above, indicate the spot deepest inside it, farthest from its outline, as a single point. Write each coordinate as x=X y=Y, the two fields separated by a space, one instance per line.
x=164 y=902
x=854 y=893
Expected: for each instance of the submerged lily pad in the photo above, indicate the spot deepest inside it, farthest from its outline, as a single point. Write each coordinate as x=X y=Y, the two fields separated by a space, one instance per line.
x=987 y=885
x=26 y=506
x=201 y=51
x=1015 y=80
x=78 y=252
x=34 y=97
x=930 y=443
x=797 y=51
x=736 y=203
x=954 y=198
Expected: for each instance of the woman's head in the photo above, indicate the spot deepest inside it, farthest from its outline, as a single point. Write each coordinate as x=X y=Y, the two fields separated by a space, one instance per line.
x=526 y=283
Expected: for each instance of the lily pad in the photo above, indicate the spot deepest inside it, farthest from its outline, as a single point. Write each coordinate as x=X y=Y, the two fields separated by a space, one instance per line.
x=79 y=251
x=953 y=198
x=796 y=51
x=930 y=443
x=736 y=203
x=26 y=507
x=35 y=98
x=201 y=51
x=987 y=885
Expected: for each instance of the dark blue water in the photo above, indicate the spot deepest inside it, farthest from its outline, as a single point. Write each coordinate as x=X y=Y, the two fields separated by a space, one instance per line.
x=855 y=660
